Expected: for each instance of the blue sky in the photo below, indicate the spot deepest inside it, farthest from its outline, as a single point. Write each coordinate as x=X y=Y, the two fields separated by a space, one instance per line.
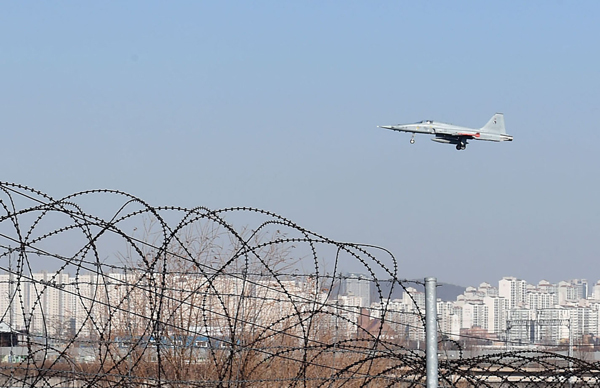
x=275 y=105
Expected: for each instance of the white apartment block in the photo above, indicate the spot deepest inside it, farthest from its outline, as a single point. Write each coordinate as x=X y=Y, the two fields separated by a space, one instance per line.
x=566 y=293
x=358 y=285
x=445 y=311
x=520 y=326
x=345 y=316
x=596 y=291
x=10 y=301
x=514 y=290
x=403 y=315
x=475 y=315
x=497 y=308
x=486 y=289
x=537 y=298
x=547 y=287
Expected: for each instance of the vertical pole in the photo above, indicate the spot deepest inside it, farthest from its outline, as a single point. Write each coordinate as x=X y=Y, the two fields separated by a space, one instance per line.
x=11 y=301
x=570 y=344
x=431 y=332
x=570 y=341
x=570 y=349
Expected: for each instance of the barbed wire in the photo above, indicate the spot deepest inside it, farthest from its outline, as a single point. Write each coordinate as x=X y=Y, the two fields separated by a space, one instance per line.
x=167 y=296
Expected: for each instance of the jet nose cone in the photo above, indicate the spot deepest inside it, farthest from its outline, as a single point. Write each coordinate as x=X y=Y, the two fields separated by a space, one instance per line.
x=385 y=126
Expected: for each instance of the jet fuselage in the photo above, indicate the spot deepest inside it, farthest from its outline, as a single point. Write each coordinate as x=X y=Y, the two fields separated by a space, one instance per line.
x=454 y=134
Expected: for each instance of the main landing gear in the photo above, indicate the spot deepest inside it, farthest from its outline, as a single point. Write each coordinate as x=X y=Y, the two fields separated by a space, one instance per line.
x=461 y=146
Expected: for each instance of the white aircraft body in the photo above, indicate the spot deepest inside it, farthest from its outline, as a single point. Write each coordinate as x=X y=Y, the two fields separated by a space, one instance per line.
x=454 y=134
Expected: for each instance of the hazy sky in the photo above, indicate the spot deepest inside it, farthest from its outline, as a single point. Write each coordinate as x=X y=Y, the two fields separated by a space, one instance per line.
x=276 y=104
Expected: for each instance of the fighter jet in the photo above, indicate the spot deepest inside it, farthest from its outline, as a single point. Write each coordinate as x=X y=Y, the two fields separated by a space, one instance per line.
x=453 y=134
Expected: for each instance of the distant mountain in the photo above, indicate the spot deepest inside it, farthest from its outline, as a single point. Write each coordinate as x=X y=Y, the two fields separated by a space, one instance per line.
x=446 y=292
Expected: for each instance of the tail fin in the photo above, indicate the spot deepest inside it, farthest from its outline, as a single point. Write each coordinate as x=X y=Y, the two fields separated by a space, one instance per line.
x=495 y=125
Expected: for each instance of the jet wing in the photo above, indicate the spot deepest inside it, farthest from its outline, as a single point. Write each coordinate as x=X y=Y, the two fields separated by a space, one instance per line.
x=460 y=140
x=457 y=133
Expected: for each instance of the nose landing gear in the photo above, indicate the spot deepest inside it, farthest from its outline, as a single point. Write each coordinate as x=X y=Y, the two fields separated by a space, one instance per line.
x=412 y=139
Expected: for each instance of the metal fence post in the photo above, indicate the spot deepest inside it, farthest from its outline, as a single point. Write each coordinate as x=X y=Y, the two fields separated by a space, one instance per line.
x=431 y=332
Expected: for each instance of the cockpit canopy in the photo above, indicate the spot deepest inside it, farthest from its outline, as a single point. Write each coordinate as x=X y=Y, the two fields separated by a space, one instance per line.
x=426 y=122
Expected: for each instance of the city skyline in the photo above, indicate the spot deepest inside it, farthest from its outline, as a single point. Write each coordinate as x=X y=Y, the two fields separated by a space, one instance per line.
x=54 y=304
